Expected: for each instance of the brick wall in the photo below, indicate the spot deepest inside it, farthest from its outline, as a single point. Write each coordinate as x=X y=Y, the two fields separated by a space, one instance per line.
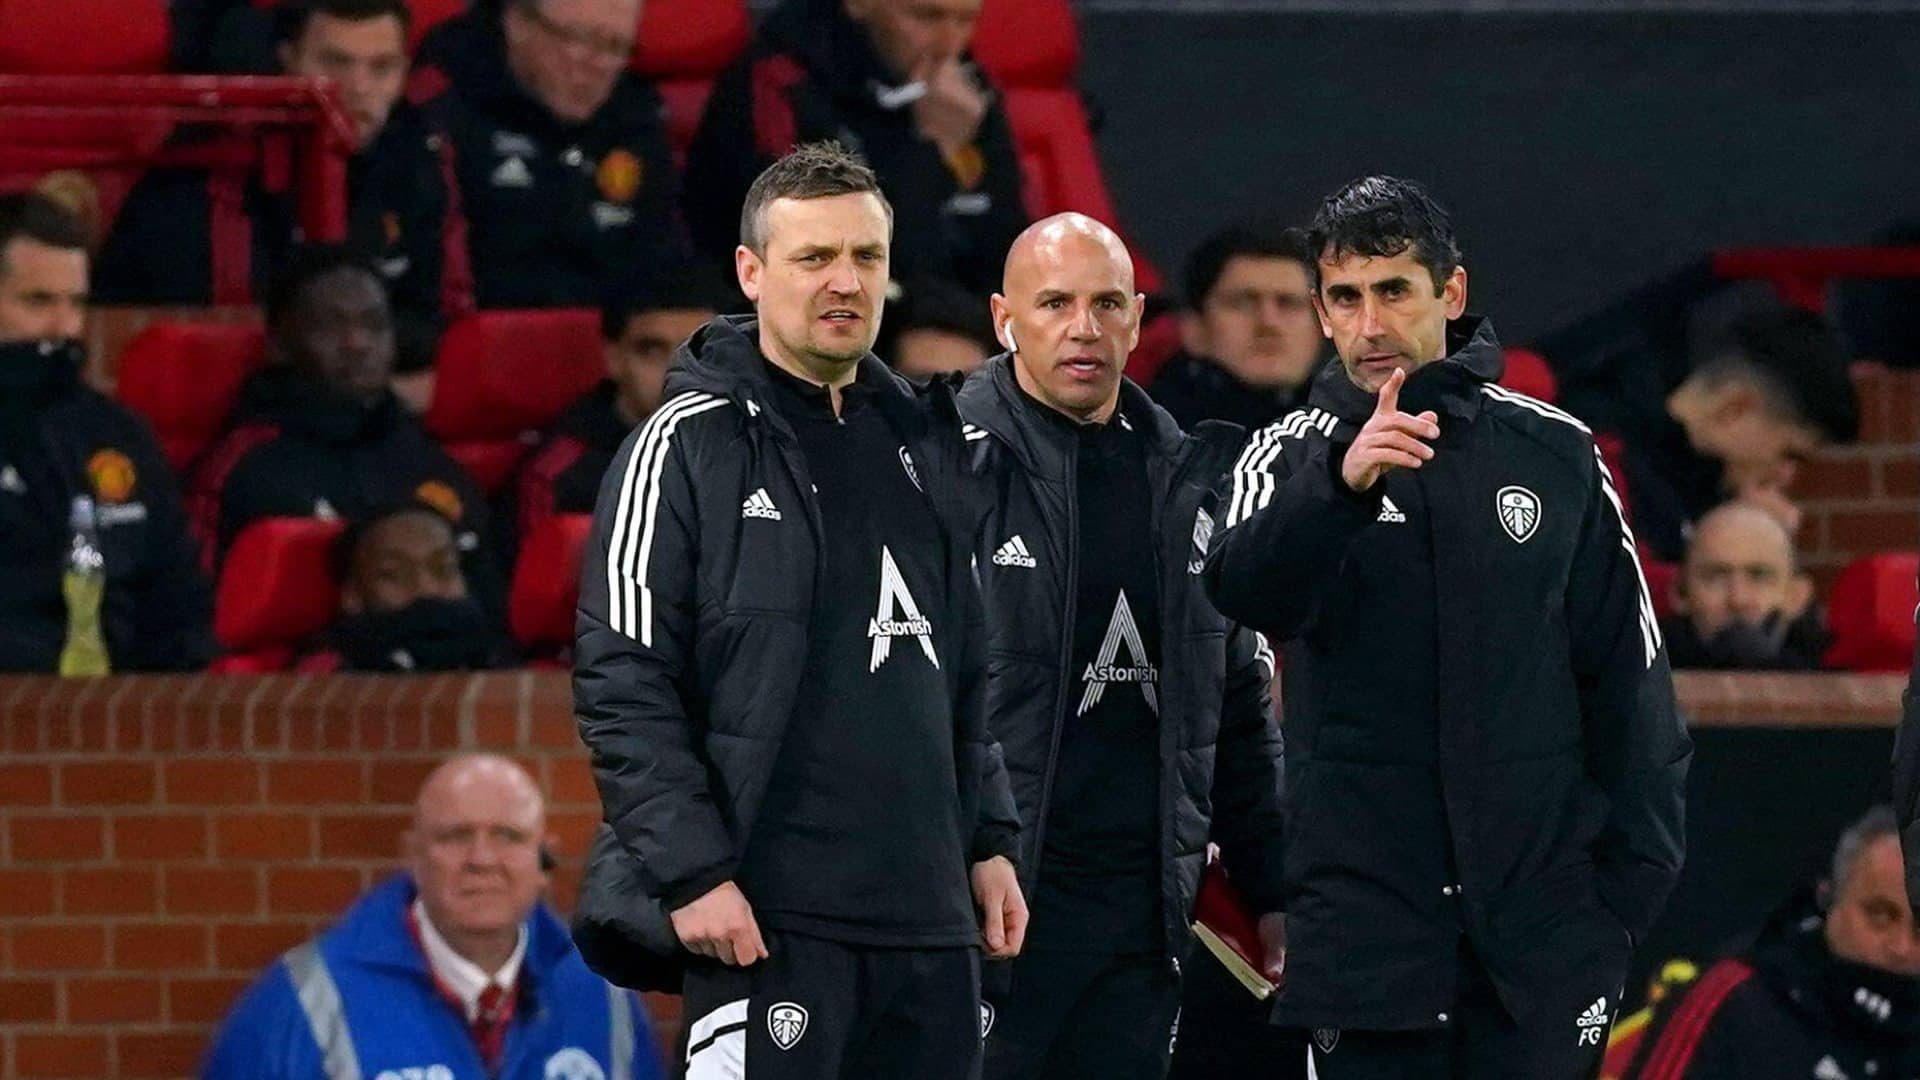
x=164 y=838
x=1866 y=497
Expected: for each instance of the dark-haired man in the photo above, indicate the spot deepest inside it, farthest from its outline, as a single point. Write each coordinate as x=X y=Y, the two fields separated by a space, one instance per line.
x=1485 y=769
x=640 y=335
x=68 y=452
x=565 y=181
x=780 y=675
x=318 y=432
x=893 y=78
x=1249 y=339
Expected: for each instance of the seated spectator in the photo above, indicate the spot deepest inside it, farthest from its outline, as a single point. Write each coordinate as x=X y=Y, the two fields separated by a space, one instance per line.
x=1724 y=410
x=566 y=180
x=938 y=328
x=404 y=602
x=319 y=432
x=1828 y=991
x=563 y=475
x=1741 y=601
x=81 y=477
x=452 y=968
x=160 y=245
x=892 y=79
x=1250 y=341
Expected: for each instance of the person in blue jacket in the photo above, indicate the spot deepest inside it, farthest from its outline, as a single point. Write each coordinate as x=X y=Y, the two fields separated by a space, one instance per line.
x=453 y=970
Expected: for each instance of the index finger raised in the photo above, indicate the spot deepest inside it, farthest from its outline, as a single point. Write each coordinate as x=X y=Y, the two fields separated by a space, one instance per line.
x=1390 y=393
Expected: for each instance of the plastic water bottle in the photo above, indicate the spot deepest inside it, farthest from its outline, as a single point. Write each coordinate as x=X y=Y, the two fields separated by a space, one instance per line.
x=84 y=586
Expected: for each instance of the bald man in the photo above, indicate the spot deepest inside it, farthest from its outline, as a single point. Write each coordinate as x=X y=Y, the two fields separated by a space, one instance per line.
x=1741 y=601
x=1135 y=720
x=451 y=970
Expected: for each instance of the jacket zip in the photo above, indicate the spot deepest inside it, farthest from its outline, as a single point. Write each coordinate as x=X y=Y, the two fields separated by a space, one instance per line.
x=1071 y=590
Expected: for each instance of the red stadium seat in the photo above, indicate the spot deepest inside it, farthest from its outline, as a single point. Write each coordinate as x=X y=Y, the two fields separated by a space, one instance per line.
x=183 y=377
x=490 y=462
x=83 y=37
x=428 y=14
x=546 y=582
x=1871 y=613
x=1662 y=577
x=500 y=374
x=1528 y=373
x=276 y=586
x=1027 y=43
x=683 y=45
x=1061 y=166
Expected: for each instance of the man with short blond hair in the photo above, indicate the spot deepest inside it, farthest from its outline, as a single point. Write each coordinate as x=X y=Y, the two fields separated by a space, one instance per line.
x=452 y=968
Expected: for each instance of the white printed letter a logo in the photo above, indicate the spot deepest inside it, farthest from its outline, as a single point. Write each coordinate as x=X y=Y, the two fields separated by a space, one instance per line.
x=884 y=626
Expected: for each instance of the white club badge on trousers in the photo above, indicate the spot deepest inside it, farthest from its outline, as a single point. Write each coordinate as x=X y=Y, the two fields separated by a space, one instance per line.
x=786 y=1023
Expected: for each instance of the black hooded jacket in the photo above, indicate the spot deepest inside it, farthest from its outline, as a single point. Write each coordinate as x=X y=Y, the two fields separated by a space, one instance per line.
x=810 y=75
x=60 y=439
x=554 y=214
x=1480 y=725
x=692 y=639
x=1219 y=747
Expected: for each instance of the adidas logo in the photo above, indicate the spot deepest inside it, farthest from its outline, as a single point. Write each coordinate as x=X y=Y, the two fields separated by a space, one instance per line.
x=513 y=173
x=10 y=481
x=1592 y=1023
x=1390 y=512
x=1829 y=1069
x=760 y=505
x=1014 y=553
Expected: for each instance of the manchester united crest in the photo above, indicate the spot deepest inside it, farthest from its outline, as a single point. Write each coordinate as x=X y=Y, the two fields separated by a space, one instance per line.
x=111 y=473
x=1519 y=512
x=620 y=176
x=441 y=497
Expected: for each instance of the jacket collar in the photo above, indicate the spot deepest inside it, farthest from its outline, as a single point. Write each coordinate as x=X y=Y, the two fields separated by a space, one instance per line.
x=992 y=399
x=837 y=52
x=1449 y=386
x=374 y=933
x=300 y=406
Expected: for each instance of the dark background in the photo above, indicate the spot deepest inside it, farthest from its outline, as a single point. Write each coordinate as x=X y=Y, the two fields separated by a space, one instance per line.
x=1580 y=153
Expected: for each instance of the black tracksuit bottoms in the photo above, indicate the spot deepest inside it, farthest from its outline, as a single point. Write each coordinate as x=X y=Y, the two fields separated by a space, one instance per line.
x=1085 y=1015
x=825 y=1010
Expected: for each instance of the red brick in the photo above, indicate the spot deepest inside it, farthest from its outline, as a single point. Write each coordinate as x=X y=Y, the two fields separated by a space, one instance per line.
x=107 y=783
x=317 y=782
x=159 y=837
x=113 y=1000
x=29 y=1001
x=212 y=782
x=42 y=838
x=212 y=890
x=1900 y=477
x=161 y=1053
x=1833 y=475
x=311 y=890
x=23 y=784
x=159 y=946
x=573 y=831
x=269 y=837
x=397 y=782
x=570 y=783
x=362 y=836
x=27 y=892
x=110 y=890
x=1857 y=532
x=203 y=1001
x=59 y=947
x=247 y=947
x=555 y=731
x=58 y=1057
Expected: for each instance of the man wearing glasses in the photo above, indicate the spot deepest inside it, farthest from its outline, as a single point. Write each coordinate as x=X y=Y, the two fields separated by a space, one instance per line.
x=565 y=179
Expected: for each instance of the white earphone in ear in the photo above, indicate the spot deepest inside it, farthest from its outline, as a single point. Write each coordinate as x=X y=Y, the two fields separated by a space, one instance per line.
x=1012 y=345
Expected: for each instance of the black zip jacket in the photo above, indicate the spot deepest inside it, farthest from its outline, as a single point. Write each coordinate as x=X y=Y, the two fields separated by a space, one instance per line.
x=691 y=640
x=811 y=74
x=60 y=439
x=554 y=214
x=1480 y=723
x=1219 y=745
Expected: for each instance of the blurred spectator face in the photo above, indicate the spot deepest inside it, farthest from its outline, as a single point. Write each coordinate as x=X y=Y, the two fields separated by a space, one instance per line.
x=912 y=35
x=340 y=333
x=1069 y=313
x=366 y=57
x=475 y=850
x=1258 y=323
x=1739 y=568
x=637 y=362
x=43 y=291
x=820 y=286
x=924 y=352
x=404 y=558
x=569 y=54
x=1869 y=921
x=1382 y=312
x=1761 y=449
